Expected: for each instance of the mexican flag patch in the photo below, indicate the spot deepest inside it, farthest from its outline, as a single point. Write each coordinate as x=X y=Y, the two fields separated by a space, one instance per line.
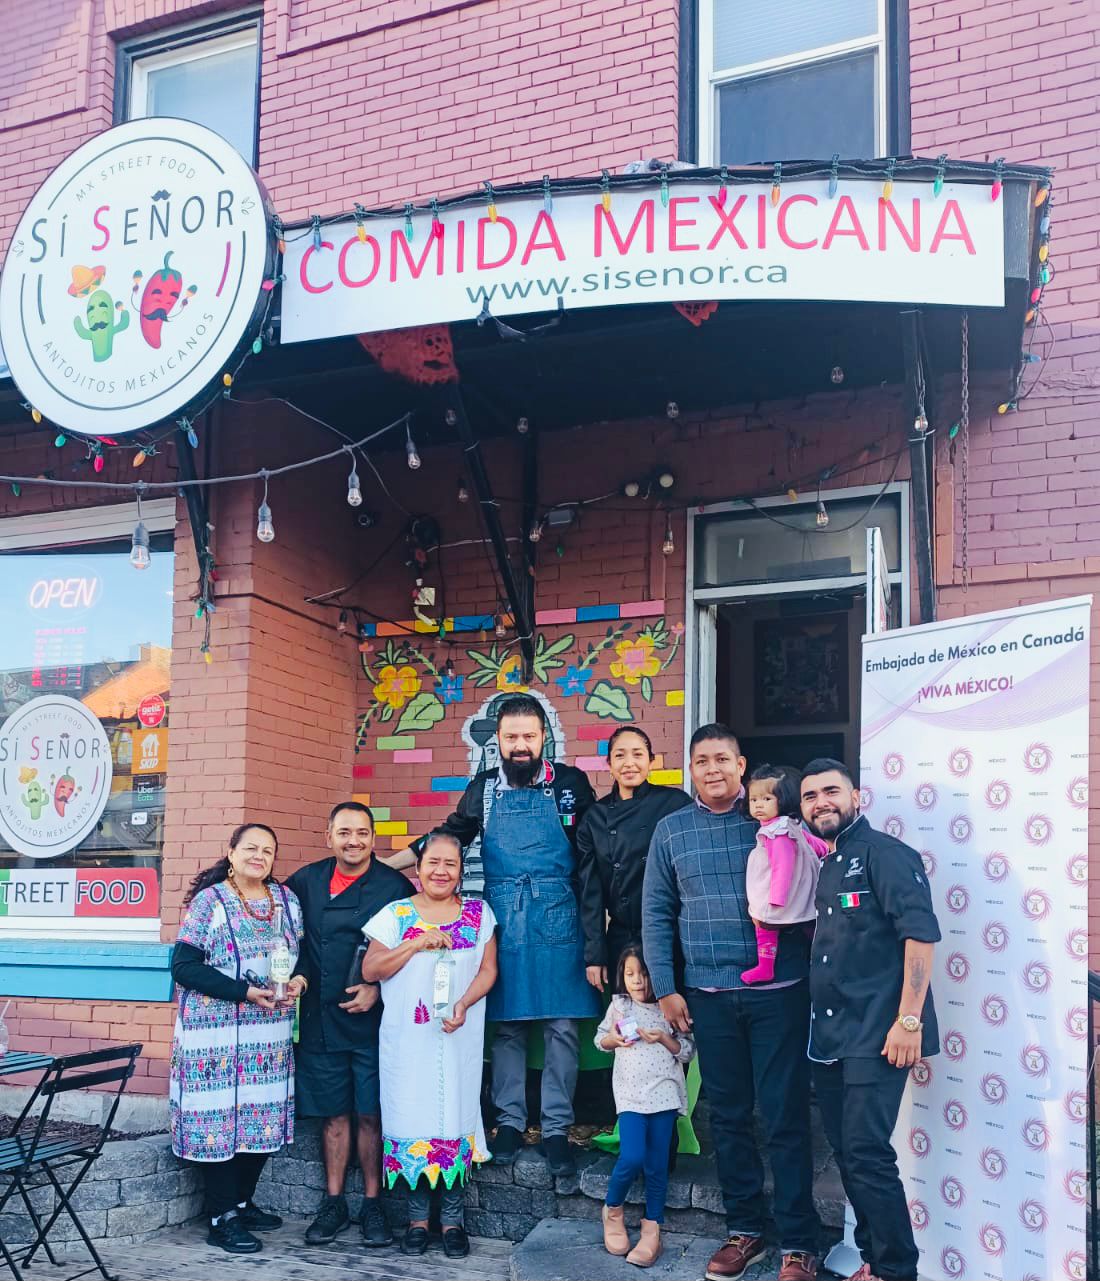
x=849 y=900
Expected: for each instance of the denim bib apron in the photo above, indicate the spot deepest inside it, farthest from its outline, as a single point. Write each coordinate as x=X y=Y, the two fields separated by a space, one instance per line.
x=529 y=885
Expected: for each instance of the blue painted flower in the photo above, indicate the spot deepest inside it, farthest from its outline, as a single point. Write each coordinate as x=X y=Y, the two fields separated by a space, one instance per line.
x=575 y=680
x=450 y=689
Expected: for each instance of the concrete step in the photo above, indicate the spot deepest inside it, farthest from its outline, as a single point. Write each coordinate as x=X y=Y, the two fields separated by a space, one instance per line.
x=565 y=1250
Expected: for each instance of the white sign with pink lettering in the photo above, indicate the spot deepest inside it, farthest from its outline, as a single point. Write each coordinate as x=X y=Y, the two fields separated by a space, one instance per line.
x=737 y=243
x=975 y=752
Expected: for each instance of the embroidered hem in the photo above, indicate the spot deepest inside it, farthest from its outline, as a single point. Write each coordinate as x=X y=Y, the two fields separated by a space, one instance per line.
x=449 y=1160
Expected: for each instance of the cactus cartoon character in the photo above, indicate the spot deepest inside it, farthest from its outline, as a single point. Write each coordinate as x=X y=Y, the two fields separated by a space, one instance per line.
x=161 y=294
x=35 y=799
x=63 y=793
x=102 y=324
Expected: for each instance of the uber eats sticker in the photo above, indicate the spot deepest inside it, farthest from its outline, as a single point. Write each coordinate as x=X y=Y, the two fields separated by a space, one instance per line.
x=55 y=776
x=134 y=274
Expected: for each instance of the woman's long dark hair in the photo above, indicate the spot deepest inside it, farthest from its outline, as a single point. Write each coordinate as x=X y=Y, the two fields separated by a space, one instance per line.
x=635 y=951
x=220 y=870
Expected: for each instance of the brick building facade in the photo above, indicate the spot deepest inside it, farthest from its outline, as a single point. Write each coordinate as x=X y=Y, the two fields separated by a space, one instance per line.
x=380 y=104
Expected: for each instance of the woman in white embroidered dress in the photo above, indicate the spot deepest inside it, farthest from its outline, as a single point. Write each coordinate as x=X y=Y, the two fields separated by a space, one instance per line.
x=435 y=955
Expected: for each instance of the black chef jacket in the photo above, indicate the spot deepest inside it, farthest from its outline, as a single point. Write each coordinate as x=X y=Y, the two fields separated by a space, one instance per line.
x=871 y=897
x=612 y=845
x=333 y=930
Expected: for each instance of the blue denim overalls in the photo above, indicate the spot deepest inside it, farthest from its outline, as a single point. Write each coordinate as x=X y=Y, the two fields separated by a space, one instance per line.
x=529 y=868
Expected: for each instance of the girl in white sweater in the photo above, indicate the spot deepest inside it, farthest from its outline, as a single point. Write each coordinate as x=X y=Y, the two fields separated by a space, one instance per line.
x=648 y=1081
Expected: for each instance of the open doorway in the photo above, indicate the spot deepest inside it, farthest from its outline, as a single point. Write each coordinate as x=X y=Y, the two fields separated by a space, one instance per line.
x=787 y=676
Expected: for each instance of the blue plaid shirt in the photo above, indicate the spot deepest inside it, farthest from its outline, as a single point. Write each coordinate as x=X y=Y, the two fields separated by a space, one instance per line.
x=695 y=890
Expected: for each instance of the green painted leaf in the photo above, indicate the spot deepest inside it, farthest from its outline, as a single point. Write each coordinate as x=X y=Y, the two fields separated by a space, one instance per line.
x=422 y=713
x=647 y=689
x=609 y=702
x=488 y=662
x=483 y=678
x=559 y=646
x=387 y=713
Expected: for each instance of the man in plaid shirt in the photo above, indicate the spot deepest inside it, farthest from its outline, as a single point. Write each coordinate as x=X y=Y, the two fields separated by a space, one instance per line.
x=752 y=1040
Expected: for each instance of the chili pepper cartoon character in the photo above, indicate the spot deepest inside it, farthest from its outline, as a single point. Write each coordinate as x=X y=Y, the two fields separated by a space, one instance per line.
x=63 y=792
x=35 y=798
x=161 y=294
x=101 y=323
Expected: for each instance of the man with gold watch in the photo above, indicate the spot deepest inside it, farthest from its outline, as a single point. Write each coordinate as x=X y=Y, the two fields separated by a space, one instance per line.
x=872 y=1012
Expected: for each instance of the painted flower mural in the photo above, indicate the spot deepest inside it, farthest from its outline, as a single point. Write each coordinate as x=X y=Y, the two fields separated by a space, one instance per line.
x=636 y=660
x=510 y=675
x=396 y=685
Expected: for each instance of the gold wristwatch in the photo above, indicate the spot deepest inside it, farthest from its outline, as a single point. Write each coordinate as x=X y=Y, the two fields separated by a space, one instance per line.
x=910 y=1022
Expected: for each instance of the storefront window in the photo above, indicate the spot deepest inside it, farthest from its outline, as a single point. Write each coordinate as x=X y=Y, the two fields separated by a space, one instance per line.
x=82 y=624
x=783 y=543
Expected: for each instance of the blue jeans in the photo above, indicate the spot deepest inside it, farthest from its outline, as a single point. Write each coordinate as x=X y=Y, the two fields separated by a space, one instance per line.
x=644 y=1141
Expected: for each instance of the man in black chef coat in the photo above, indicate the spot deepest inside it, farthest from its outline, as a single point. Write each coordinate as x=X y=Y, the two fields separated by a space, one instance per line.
x=872 y=1012
x=336 y=1059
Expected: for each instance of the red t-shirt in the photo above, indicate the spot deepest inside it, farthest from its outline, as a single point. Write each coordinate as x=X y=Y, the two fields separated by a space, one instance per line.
x=340 y=881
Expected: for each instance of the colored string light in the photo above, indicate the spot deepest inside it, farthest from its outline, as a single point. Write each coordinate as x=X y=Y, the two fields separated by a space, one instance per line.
x=437 y=226
x=664 y=185
x=1041 y=195
x=834 y=175
x=409 y=222
x=547 y=194
x=998 y=174
x=941 y=170
x=360 y=230
x=605 y=188
x=723 y=185
x=888 y=185
x=491 y=196
x=315 y=223
x=60 y=439
x=36 y=415
x=777 y=182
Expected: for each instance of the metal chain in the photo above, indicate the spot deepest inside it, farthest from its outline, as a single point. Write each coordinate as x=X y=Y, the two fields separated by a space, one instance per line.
x=964 y=420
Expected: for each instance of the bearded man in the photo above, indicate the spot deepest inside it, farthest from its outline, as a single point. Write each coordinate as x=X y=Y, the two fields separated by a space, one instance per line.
x=526 y=813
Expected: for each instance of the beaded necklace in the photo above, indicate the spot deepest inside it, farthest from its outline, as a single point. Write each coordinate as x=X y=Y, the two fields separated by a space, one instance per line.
x=247 y=903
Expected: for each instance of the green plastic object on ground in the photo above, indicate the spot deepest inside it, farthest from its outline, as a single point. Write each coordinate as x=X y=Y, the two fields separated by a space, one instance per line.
x=687 y=1144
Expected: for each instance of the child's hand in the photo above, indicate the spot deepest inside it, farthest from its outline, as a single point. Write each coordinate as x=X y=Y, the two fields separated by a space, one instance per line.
x=613 y=1041
x=656 y=1036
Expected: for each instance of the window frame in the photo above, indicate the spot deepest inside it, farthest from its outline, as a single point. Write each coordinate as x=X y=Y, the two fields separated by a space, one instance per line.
x=700 y=84
x=51 y=531
x=185 y=44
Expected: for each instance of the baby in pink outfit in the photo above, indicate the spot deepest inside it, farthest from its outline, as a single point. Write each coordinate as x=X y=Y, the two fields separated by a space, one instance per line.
x=781 y=876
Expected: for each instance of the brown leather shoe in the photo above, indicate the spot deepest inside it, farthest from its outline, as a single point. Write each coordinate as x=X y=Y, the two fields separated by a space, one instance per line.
x=798 y=1266
x=738 y=1254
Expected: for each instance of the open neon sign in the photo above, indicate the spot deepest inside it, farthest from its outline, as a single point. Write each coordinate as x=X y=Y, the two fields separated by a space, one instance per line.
x=64 y=593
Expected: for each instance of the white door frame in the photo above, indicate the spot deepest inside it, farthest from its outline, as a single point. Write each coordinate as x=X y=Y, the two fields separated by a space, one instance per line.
x=700 y=634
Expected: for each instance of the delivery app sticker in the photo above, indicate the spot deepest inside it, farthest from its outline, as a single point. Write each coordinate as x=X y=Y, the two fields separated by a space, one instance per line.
x=103 y=317
x=163 y=298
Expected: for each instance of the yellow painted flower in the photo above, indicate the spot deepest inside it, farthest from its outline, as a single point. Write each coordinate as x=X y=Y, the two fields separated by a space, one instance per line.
x=510 y=675
x=636 y=659
x=420 y=1148
x=396 y=685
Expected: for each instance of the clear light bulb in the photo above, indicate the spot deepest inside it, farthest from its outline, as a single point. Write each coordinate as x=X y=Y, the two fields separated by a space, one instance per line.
x=822 y=517
x=632 y=489
x=412 y=457
x=837 y=375
x=139 y=548
x=265 y=526
x=666 y=480
x=672 y=409
x=342 y=622
x=522 y=426
x=355 y=494
x=463 y=492
x=499 y=630
x=536 y=531
x=669 y=545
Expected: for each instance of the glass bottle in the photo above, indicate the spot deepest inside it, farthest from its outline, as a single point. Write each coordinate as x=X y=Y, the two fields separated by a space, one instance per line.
x=443 y=985
x=280 y=964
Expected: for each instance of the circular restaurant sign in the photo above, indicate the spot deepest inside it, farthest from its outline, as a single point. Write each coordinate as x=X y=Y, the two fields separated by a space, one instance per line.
x=55 y=776
x=134 y=276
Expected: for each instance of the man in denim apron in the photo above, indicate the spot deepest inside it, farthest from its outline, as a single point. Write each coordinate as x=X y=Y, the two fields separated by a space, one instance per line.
x=526 y=814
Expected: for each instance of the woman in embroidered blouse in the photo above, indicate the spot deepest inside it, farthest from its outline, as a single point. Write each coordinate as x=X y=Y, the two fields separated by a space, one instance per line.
x=231 y=1086
x=436 y=957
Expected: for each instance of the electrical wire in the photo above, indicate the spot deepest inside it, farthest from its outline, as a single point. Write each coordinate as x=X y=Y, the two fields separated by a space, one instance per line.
x=830 y=529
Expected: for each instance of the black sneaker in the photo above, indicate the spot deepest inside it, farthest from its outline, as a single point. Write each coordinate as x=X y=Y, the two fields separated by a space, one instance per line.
x=230 y=1235
x=556 y=1148
x=257 y=1220
x=506 y=1145
x=332 y=1219
x=415 y=1241
x=372 y=1223
x=456 y=1244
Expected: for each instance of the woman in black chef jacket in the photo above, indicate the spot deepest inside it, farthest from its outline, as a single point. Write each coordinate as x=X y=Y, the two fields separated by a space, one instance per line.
x=612 y=844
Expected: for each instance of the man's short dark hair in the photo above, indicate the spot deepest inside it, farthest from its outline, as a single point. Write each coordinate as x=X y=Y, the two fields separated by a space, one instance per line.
x=714 y=732
x=522 y=705
x=357 y=806
x=826 y=765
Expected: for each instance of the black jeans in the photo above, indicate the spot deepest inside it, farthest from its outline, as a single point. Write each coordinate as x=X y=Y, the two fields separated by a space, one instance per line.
x=228 y=1183
x=752 y=1047
x=859 y=1101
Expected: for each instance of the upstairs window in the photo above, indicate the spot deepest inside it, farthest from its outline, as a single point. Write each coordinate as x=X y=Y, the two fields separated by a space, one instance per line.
x=796 y=81
x=208 y=74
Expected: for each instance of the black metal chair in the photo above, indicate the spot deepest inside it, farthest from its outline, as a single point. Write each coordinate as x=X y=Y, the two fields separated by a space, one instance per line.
x=28 y=1153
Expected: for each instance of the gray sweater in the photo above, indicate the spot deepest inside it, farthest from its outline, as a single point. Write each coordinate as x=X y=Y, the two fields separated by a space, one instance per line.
x=695 y=891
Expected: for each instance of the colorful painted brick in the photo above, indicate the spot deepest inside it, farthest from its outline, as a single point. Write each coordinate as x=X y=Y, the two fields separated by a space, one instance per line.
x=416 y=756
x=396 y=743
